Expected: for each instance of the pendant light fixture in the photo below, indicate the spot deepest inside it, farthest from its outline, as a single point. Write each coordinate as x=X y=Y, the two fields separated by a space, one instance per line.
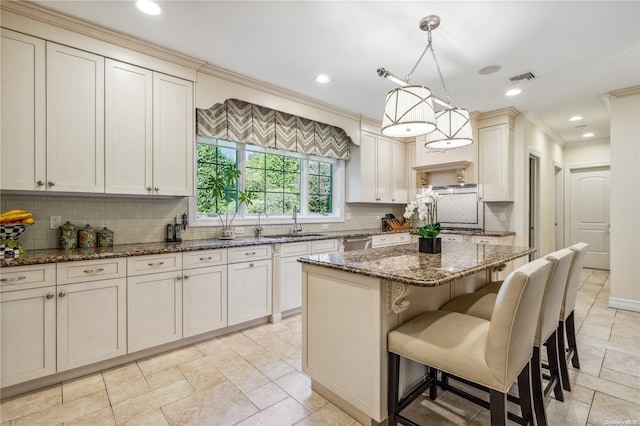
x=409 y=109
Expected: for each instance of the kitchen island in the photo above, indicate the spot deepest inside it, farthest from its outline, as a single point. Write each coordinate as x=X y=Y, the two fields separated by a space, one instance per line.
x=352 y=300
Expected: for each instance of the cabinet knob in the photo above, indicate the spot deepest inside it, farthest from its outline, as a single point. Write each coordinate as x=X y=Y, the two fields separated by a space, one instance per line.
x=62 y=293
x=50 y=295
x=179 y=277
x=186 y=277
x=157 y=188
x=51 y=183
x=251 y=265
x=40 y=183
x=149 y=188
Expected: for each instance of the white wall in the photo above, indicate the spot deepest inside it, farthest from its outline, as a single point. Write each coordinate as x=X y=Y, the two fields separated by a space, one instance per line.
x=591 y=153
x=625 y=199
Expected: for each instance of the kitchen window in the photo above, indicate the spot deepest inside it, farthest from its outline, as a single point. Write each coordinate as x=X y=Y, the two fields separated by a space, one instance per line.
x=277 y=180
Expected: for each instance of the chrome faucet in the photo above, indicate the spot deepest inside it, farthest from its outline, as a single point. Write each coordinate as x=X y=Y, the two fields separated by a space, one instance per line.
x=259 y=228
x=297 y=227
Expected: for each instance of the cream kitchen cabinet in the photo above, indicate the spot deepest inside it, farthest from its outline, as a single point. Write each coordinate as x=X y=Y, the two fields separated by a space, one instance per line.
x=28 y=323
x=376 y=172
x=250 y=284
x=154 y=300
x=148 y=132
x=23 y=133
x=459 y=238
x=412 y=178
x=495 y=145
x=204 y=291
x=75 y=120
x=434 y=157
x=390 y=239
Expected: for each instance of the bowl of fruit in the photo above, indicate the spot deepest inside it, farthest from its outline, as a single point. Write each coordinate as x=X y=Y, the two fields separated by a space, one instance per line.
x=13 y=223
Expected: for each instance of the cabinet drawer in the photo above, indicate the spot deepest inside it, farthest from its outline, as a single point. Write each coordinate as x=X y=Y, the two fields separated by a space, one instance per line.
x=296 y=249
x=381 y=240
x=26 y=277
x=401 y=238
x=452 y=237
x=195 y=259
x=324 y=246
x=243 y=254
x=138 y=265
x=91 y=270
x=477 y=239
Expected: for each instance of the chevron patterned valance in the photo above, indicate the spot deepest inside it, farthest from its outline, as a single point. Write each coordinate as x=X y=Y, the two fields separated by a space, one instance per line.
x=241 y=121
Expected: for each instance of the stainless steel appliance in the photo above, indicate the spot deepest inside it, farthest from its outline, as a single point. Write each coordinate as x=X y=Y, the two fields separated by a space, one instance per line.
x=357 y=243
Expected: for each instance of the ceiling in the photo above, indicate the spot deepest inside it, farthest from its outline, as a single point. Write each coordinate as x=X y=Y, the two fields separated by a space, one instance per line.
x=578 y=50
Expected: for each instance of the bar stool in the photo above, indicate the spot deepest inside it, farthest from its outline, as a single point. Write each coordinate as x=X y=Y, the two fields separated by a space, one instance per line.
x=566 y=324
x=490 y=354
x=481 y=304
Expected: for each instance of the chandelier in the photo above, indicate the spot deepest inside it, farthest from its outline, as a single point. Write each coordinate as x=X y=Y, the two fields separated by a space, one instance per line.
x=409 y=110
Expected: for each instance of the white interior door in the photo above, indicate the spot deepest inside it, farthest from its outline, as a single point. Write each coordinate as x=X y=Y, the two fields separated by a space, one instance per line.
x=589 y=214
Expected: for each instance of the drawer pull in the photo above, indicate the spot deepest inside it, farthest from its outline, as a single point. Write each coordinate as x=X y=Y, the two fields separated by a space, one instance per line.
x=250 y=253
x=12 y=279
x=62 y=293
x=93 y=271
x=152 y=264
x=186 y=277
x=206 y=258
x=50 y=295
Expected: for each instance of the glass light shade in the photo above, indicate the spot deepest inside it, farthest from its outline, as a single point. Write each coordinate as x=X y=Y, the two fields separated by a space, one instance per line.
x=453 y=130
x=408 y=112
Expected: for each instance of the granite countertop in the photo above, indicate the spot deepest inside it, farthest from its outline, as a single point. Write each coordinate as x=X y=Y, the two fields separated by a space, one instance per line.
x=405 y=264
x=34 y=257
x=478 y=232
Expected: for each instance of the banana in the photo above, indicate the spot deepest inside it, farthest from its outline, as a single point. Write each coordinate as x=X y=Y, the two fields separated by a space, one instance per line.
x=28 y=221
x=13 y=215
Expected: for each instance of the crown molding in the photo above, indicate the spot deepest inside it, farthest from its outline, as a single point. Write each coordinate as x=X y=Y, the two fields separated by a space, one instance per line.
x=629 y=91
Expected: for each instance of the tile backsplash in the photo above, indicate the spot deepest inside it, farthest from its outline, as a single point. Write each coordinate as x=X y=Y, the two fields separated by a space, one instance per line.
x=497 y=216
x=144 y=220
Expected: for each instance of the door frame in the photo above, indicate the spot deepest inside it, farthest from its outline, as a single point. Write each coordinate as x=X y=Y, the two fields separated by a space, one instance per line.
x=558 y=205
x=533 y=202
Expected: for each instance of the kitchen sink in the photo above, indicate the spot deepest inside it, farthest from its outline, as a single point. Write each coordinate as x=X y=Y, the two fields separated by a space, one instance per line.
x=278 y=237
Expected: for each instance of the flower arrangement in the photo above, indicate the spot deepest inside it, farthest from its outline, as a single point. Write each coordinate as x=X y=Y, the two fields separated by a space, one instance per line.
x=426 y=205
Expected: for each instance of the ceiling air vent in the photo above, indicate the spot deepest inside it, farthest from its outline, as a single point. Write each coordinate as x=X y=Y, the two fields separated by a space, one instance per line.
x=522 y=78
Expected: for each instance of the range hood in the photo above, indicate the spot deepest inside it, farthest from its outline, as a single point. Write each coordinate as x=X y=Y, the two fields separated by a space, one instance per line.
x=455 y=165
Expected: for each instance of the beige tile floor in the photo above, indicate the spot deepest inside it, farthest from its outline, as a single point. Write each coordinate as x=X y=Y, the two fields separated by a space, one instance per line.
x=253 y=377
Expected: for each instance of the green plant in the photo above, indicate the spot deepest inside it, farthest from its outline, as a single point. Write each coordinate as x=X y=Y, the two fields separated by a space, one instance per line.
x=430 y=230
x=222 y=184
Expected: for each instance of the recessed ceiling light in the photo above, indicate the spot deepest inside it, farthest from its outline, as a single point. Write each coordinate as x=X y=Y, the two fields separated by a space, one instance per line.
x=149 y=7
x=588 y=135
x=491 y=69
x=323 y=78
x=513 y=92
x=576 y=118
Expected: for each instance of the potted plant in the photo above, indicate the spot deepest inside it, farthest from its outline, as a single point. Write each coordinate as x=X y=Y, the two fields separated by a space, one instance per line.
x=426 y=206
x=221 y=186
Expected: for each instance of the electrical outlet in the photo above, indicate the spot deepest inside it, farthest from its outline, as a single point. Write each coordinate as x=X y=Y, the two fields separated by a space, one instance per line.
x=239 y=230
x=325 y=227
x=503 y=217
x=347 y=216
x=55 y=222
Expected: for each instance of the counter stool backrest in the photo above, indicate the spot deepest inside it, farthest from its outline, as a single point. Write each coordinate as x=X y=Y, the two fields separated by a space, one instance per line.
x=554 y=293
x=571 y=293
x=511 y=331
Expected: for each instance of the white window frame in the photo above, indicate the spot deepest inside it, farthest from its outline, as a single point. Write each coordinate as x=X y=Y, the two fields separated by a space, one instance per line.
x=338 y=192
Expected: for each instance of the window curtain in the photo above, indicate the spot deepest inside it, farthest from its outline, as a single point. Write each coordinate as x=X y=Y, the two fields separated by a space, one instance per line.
x=241 y=121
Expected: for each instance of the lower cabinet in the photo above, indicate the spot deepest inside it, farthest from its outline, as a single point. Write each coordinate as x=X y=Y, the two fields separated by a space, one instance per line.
x=28 y=328
x=92 y=322
x=154 y=309
x=391 y=239
x=204 y=292
x=249 y=291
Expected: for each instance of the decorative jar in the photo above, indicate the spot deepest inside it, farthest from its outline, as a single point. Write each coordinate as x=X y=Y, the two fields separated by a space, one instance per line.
x=105 y=237
x=87 y=237
x=68 y=236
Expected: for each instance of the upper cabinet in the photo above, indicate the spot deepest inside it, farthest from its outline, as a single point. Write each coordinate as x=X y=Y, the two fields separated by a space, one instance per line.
x=376 y=172
x=495 y=152
x=430 y=157
x=149 y=132
x=23 y=130
x=73 y=121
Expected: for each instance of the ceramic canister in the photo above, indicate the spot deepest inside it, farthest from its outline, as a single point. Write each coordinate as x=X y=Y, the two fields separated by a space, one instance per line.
x=86 y=237
x=105 y=237
x=68 y=236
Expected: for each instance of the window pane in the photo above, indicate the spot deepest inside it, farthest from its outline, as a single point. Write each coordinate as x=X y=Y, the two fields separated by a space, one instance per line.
x=320 y=185
x=275 y=203
x=274 y=181
x=255 y=180
x=210 y=161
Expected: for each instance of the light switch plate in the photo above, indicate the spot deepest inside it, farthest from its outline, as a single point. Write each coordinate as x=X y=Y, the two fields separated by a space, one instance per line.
x=55 y=222
x=325 y=227
x=239 y=230
x=503 y=217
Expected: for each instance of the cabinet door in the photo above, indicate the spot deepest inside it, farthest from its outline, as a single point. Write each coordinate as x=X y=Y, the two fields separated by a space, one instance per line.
x=383 y=172
x=398 y=173
x=92 y=322
x=128 y=129
x=249 y=291
x=28 y=339
x=75 y=120
x=154 y=308
x=23 y=133
x=412 y=186
x=368 y=168
x=204 y=300
x=290 y=283
x=173 y=130
x=496 y=162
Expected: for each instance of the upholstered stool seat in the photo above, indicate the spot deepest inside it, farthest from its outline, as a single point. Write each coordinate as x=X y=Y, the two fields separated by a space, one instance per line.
x=491 y=354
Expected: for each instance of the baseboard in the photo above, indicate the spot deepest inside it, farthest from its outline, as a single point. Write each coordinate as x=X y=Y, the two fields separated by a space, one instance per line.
x=626 y=304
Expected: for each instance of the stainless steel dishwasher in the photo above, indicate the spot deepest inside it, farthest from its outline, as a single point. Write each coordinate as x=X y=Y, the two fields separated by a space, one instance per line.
x=357 y=243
